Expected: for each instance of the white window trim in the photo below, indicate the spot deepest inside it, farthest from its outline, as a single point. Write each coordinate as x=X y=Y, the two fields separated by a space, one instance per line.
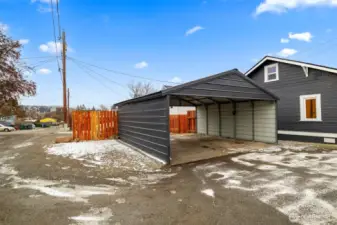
x=266 y=73
x=303 y=99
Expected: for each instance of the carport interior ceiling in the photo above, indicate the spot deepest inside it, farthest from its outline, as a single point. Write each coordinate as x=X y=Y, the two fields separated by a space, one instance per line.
x=144 y=121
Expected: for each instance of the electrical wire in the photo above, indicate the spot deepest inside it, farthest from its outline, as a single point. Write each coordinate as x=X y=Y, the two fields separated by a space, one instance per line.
x=37 y=57
x=122 y=73
x=101 y=75
x=55 y=40
x=58 y=18
x=41 y=63
x=93 y=77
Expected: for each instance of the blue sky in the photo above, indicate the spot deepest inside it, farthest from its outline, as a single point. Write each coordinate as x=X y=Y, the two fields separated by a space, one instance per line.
x=164 y=40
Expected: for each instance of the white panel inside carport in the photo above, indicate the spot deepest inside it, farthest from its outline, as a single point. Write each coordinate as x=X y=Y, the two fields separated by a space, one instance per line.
x=265 y=121
x=201 y=120
x=244 y=121
x=227 y=121
x=213 y=120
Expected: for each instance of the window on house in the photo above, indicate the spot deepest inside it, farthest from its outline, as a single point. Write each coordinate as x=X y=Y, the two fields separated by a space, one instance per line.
x=311 y=107
x=271 y=73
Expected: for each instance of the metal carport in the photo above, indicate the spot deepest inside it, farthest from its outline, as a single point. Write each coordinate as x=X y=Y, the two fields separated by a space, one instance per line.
x=228 y=105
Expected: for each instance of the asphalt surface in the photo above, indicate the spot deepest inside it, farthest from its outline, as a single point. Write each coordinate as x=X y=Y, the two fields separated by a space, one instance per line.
x=39 y=188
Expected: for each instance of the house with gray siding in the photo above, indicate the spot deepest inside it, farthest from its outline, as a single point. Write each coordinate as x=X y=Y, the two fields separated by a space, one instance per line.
x=307 y=109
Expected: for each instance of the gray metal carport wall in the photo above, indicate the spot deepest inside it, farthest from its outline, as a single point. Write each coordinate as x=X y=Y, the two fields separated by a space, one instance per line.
x=144 y=121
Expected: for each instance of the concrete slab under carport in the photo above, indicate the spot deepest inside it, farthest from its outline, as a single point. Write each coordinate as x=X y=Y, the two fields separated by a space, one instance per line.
x=187 y=148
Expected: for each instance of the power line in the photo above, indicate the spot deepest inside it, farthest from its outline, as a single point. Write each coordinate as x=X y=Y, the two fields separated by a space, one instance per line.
x=93 y=77
x=38 y=57
x=55 y=40
x=58 y=18
x=122 y=73
x=40 y=63
x=101 y=75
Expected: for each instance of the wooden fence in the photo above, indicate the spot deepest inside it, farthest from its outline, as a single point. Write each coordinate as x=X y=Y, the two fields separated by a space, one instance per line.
x=183 y=123
x=94 y=125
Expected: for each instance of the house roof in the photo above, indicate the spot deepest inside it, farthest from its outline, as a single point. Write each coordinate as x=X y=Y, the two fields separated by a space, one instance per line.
x=292 y=62
x=175 y=90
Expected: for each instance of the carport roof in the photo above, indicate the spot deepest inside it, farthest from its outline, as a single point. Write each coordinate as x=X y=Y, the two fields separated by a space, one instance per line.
x=231 y=85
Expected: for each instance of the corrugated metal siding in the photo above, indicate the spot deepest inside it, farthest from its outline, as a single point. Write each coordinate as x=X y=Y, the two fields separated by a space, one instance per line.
x=244 y=121
x=264 y=121
x=227 y=122
x=229 y=86
x=291 y=84
x=145 y=126
x=213 y=120
x=201 y=120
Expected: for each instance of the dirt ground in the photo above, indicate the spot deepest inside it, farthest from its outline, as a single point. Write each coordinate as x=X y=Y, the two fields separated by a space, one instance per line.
x=193 y=147
x=37 y=186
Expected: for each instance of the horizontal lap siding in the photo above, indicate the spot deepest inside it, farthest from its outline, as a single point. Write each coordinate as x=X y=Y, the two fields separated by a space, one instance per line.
x=291 y=85
x=145 y=126
x=264 y=121
x=201 y=120
x=244 y=121
x=227 y=121
x=213 y=120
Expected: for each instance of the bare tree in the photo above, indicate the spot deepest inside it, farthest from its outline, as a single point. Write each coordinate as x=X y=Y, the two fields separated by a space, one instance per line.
x=12 y=70
x=103 y=107
x=138 y=89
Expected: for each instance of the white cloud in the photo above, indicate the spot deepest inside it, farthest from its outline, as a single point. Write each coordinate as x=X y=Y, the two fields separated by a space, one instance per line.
x=329 y=30
x=286 y=52
x=24 y=41
x=141 y=65
x=176 y=80
x=306 y=36
x=53 y=48
x=44 y=71
x=4 y=27
x=193 y=30
x=282 y=6
x=284 y=40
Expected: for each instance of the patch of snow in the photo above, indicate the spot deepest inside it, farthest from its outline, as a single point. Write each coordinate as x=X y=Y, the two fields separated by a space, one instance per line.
x=208 y=192
x=173 y=192
x=149 y=178
x=120 y=200
x=62 y=189
x=47 y=165
x=105 y=153
x=65 y=167
x=118 y=180
x=25 y=144
x=95 y=216
x=267 y=167
x=238 y=160
x=277 y=179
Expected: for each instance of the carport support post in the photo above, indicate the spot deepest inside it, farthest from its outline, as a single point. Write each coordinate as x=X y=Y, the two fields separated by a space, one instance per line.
x=168 y=97
x=253 y=120
x=206 y=106
x=276 y=122
x=220 y=125
x=234 y=118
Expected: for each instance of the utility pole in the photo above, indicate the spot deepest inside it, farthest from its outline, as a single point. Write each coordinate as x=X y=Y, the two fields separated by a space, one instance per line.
x=64 y=51
x=68 y=115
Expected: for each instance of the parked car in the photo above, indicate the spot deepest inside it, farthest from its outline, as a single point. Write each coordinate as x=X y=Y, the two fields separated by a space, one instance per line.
x=6 y=128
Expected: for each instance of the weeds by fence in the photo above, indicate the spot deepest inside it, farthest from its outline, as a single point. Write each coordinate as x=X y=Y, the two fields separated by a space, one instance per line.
x=94 y=125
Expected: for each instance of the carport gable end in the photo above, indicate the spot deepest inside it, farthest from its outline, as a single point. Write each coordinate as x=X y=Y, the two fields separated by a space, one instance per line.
x=231 y=85
x=144 y=121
